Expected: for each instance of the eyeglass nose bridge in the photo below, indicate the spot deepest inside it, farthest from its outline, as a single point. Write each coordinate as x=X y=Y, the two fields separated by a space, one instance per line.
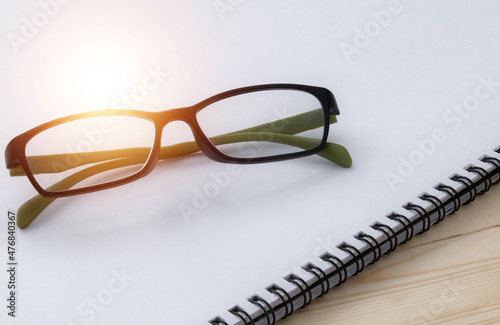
x=188 y=116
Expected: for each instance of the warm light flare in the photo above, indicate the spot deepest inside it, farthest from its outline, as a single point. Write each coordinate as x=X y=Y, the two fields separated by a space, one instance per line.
x=102 y=79
x=93 y=74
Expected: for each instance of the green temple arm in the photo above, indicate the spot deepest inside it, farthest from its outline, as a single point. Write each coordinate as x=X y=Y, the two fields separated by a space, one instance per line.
x=33 y=207
x=132 y=156
x=57 y=163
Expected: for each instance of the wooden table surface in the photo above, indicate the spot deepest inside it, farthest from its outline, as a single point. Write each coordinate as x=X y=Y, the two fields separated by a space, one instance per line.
x=449 y=275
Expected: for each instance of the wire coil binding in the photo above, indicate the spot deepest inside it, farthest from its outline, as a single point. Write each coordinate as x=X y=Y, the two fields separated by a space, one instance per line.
x=495 y=162
x=453 y=195
x=340 y=268
x=469 y=184
x=424 y=215
x=285 y=298
x=354 y=252
x=265 y=307
x=242 y=314
x=485 y=177
x=320 y=275
x=218 y=321
x=305 y=290
x=440 y=208
x=406 y=223
x=373 y=243
x=389 y=233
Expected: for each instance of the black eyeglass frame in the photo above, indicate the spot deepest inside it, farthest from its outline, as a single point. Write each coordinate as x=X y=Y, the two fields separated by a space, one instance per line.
x=15 y=153
x=324 y=96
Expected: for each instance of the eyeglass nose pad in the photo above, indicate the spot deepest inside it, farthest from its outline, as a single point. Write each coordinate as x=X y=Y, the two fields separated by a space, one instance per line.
x=176 y=132
x=179 y=138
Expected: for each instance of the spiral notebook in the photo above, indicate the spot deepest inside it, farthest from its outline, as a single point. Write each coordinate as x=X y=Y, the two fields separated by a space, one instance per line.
x=278 y=303
x=200 y=242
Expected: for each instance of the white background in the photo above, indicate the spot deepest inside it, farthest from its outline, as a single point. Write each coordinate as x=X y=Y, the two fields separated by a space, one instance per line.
x=394 y=92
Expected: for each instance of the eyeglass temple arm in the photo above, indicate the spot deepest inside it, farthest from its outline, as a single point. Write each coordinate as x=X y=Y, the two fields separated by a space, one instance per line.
x=33 y=207
x=295 y=124
x=29 y=210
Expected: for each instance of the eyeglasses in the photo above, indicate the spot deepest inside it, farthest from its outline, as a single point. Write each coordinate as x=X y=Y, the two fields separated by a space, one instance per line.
x=99 y=150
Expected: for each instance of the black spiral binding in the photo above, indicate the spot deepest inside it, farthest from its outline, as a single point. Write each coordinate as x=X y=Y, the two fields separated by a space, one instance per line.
x=305 y=289
x=286 y=300
x=424 y=215
x=320 y=275
x=374 y=245
x=339 y=266
x=242 y=314
x=469 y=184
x=485 y=176
x=355 y=253
x=406 y=223
x=265 y=307
x=438 y=205
x=495 y=162
x=453 y=195
x=389 y=233
x=218 y=321
x=287 y=303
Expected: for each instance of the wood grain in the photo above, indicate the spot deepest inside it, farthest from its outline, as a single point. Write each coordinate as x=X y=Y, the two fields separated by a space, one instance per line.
x=449 y=275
